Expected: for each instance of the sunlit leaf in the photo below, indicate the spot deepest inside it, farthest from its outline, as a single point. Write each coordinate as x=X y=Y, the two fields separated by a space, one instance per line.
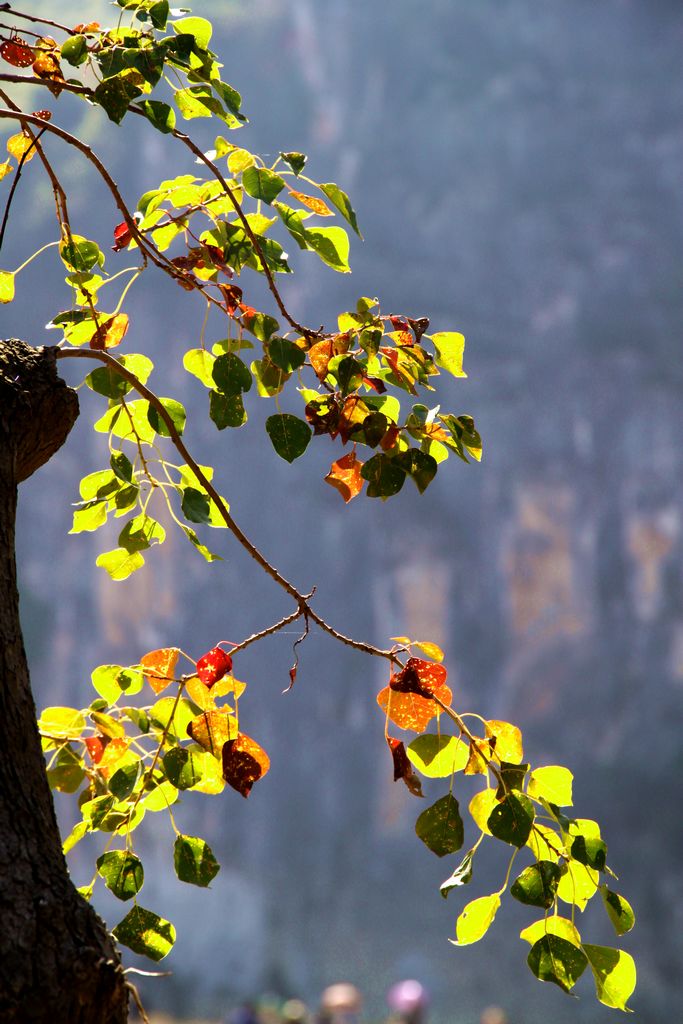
x=508 y=746
x=120 y=563
x=481 y=806
x=145 y=933
x=554 y=783
x=313 y=203
x=339 y=198
x=475 y=920
x=410 y=711
x=614 y=972
x=160 y=115
x=619 y=910
x=110 y=681
x=345 y=476
x=450 y=347
x=67 y=771
x=63 y=723
x=174 y=410
x=199 y=363
x=6 y=286
x=212 y=730
x=578 y=885
x=21 y=145
x=160 y=798
x=436 y=756
x=261 y=183
x=159 y=667
x=561 y=927
x=331 y=245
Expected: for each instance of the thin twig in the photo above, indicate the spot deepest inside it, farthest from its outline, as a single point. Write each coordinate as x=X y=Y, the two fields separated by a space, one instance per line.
x=7 y=8
x=268 y=631
x=302 y=600
x=10 y=197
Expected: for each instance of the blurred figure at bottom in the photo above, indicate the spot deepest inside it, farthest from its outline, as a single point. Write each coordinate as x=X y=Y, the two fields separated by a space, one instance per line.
x=340 y=1004
x=408 y=1002
x=493 y=1015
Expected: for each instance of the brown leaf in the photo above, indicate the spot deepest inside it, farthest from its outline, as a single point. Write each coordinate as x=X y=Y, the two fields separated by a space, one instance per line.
x=244 y=763
x=421 y=677
x=419 y=326
x=403 y=769
x=344 y=475
x=323 y=415
x=233 y=297
x=212 y=730
x=46 y=66
x=159 y=667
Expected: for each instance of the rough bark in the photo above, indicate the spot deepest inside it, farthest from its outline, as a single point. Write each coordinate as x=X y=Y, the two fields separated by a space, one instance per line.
x=57 y=962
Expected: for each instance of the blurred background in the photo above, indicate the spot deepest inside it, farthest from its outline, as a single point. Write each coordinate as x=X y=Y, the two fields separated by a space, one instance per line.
x=516 y=170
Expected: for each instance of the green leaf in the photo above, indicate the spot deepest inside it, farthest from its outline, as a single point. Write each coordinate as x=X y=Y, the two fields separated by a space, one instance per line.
x=512 y=819
x=118 y=422
x=160 y=114
x=270 y=380
x=89 y=517
x=74 y=836
x=119 y=563
x=554 y=959
x=461 y=876
x=160 y=716
x=209 y=556
x=122 y=872
x=195 y=505
x=340 y=199
x=62 y=723
x=161 y=797
x=289 y=435
x=332 y=246
x=437 y=757
x=174 y=409
x=260 y=183
x=122 y=466
x=294 y=222
x=590 y=851
x=230 y=375
x=141 y=533
x=199 y=28
x=440 y=827
x=384 y=475
x=6 y=286
x=285 y=354
x=615 y=975
x=475 y=920
x=182 y=768
x=199 y=363
x=296 y=161
x=145 y=933
x=194 y=861
x=537 y=884
x=74 y=50
x=227 y=412
x=419 y=466
x=450 y=347
x=80 y=254
x=260 y=325
x=110 y=681
x=553 y=783
x=108 y=725
x=122 y=783
x=114 y=95
x=619 y=910
x=67 y=771
x=158 y=14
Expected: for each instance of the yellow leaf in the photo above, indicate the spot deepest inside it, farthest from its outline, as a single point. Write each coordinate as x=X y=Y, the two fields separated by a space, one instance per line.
x=313 y=203
x=481 y=806
x=475 y=920
x=508 y=740
x=19 y=144
x=5 y=168
x=559 y=926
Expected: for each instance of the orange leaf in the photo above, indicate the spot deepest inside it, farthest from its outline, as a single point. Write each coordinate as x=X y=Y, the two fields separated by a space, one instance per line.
x=345 y=476
x=244 y=763
x=410 y=711
x=47 y=66
x=113 y=752
x=353 y=414
x=213 y=729
x=159 y=667
x=317 y=205
x=111 y=332
x=95 y=746
x=320 y=355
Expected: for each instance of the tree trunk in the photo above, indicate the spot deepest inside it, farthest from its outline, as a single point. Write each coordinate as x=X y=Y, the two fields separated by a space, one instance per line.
x=57 y=962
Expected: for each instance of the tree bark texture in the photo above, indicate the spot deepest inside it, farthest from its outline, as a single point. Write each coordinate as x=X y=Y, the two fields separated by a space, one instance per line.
x=57 y=962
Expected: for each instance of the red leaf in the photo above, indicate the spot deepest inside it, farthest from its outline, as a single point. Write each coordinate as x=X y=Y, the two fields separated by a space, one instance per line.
x=390 y=438
x=95 y=746
x=399 y=323
x=403 y=769
x=419 y=326
x=344 y=475
x=376 y=384
x=244 y=763
x=213 y=665
x=421 y=677
x=122 y=236
x=44 y=115
x=17 y=52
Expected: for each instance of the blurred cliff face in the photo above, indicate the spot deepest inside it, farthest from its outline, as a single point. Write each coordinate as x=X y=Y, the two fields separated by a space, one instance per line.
x=516 y=171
